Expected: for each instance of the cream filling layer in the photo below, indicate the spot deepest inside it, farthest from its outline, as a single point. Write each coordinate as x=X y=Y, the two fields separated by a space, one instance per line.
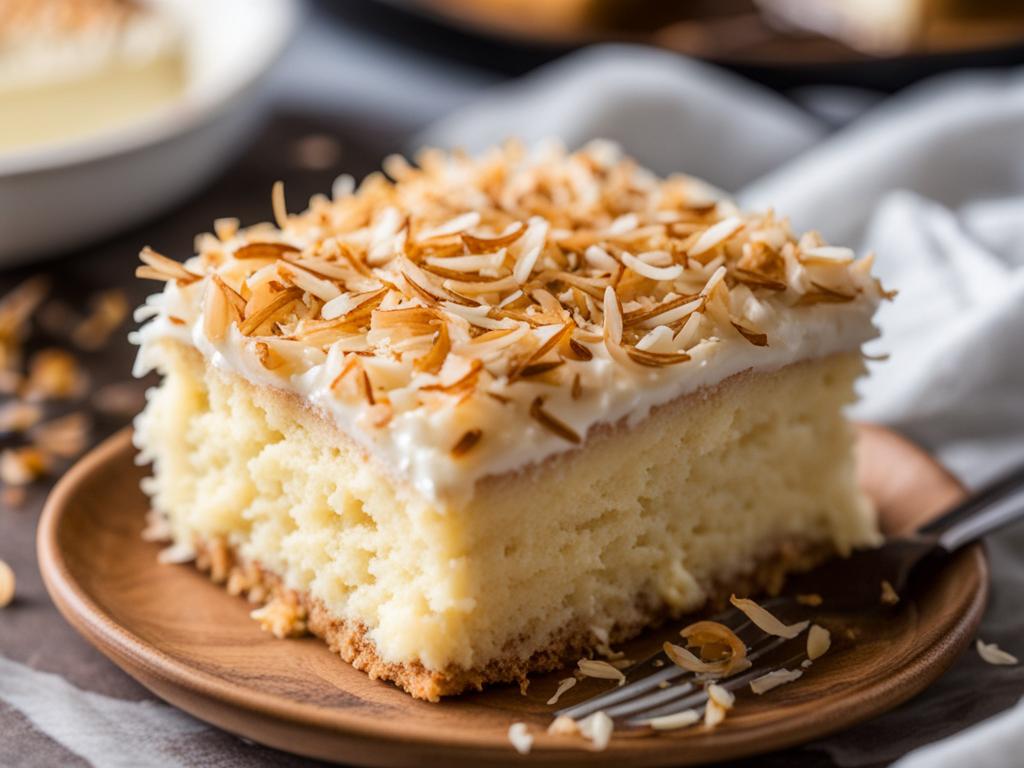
x=415 y=445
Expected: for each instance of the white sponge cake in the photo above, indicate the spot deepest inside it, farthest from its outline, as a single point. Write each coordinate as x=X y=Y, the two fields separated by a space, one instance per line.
x=463 y=422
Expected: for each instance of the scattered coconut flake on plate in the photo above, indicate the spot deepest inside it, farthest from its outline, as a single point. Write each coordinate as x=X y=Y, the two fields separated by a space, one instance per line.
x=889 y=596
x=563 y=725
x=721 y=696
x=600 y=669
x=774 y=679
x=766 y=621
x=720 y=701
x=520 y=738
x=598 y=728
x=674 y=722
x=818 y=641
x=563 y=686
x=993 y=654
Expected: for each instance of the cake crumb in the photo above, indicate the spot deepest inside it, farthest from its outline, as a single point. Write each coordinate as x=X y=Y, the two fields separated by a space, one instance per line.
x=282 y=618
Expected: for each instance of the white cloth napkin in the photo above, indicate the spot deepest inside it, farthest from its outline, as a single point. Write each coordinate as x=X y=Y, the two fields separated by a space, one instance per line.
x=932 y=180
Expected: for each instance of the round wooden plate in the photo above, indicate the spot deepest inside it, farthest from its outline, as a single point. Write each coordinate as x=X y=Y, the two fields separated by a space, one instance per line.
x=192 y=644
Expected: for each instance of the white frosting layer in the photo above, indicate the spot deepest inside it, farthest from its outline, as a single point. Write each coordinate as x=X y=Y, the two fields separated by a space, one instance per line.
x=416 y=444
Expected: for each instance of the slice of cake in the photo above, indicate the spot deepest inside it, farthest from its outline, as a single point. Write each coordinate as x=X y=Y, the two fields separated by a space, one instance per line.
x=473 y=422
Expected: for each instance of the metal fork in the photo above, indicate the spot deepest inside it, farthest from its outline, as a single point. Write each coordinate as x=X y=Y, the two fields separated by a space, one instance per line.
x=656 y=687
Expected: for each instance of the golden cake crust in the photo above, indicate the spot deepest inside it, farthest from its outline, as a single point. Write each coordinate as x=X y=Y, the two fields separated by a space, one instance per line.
x=299 y=612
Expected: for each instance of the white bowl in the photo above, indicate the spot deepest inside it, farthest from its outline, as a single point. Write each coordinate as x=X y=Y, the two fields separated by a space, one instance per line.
x=63 y=195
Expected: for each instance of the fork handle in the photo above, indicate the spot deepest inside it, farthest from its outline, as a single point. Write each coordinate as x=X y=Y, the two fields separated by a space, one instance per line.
x=997 y=504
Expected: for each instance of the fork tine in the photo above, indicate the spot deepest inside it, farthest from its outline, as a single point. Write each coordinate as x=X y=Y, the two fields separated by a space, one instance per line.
x=626 y=692
x=644 y=684
x=629 y=698
x=699 y=697
x=670 y=695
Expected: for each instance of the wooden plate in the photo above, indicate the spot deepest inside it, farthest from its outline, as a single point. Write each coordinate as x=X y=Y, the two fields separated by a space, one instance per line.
x=192 y=644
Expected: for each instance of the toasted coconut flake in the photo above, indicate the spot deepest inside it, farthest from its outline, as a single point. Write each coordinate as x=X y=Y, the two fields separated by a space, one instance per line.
x=284 y=298
x=601 y=669
x=755 y=338
x=774 y=679
x=108 y=311
x=520 y=738
x=679 y=720
x=577 y=387
x=65 y=436
x=433 y=361
x=828 y=254
x=993 y=654
x=824 y=295
x=656 y=359
x=721 y=696
x=765 y=621
x=888 y=596
x=21 y=466
x=563 y=686
x=159 y=267
x=573 y=350
x=813 y=599
x=217 y=312
x=278 y=204
x=486 y=244
x=18 y=416
x=714 y=714
x=653 y=273
x=758 y=280
x=467 y=442
x=819 y=640
x=270 y=251
x=269 y=358
x=7 y=584
x=705 y=635
x=563 y=725
x=54 y=374
x=715 y=235
x=686 y=660
x=551 y=423
x=532 y=365
x=533 y=245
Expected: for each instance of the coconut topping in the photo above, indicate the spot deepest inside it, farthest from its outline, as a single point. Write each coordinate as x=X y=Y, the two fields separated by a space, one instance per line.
x=469 y=316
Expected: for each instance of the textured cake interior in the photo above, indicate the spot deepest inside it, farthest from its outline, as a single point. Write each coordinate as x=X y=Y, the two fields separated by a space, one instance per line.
x=639 y=523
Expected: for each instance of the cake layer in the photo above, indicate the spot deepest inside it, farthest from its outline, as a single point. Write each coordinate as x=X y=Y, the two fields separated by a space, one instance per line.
x=643 y=521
